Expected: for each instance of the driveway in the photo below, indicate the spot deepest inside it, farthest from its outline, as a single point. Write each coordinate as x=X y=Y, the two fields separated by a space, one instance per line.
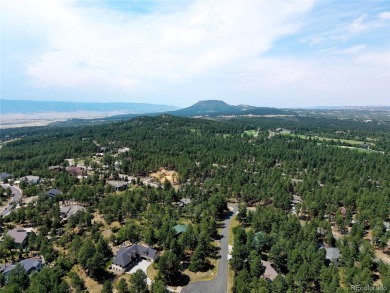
x=142 y=265
x=17 y=195
x=219 y=284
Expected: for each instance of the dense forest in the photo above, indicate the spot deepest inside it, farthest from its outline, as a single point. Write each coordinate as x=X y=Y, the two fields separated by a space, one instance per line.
x=302 y=185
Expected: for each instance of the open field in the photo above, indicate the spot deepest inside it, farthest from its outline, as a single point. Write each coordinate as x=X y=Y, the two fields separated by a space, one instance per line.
x=40 y=119
x=347 y=141
x=253 y=133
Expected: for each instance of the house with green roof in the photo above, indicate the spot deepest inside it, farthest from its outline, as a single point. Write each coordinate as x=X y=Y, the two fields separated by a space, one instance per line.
x=180 y=229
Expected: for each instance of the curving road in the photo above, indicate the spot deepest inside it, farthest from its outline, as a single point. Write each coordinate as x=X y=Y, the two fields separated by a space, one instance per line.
x=219 y=284
x=17 y=195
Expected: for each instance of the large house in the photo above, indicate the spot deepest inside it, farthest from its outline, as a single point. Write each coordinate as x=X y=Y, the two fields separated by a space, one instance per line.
x=68 y=211
x=269 y=272
x=30 y=265
x=4 y=176
x=30 y=179
x=56 y=168
x=332 y=254
x=128 y=256
x=76 y=171
x=184 y=201
x=178 y=229
x=117 y=184
x=54 y=192
x=19 y=235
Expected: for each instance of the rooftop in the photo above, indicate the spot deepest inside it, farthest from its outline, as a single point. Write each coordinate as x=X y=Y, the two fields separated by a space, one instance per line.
x=54 y=192
x=18 y=234
x=184 y=201
x=270 y=272
x=28 y=264
x=126 y=254
x=71 y=210
x=332 y=253
x=180 y=229
x=4 y=175
x=117 y=183
x=31 y=178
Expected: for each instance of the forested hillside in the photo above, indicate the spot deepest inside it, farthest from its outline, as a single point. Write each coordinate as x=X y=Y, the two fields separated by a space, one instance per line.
x=303 y=185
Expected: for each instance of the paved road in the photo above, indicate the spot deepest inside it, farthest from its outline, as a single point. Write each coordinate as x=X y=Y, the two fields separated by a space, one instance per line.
x=16 y=198
x=219 y=284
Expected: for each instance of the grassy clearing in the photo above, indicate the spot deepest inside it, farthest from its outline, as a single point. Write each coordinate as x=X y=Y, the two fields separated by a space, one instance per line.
x=195 y=131
x=348 y=141
x=253 y=133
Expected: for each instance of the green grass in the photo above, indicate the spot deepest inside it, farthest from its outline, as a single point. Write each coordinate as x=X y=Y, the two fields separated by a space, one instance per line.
x=347 y=141
x=233 y=223
x=253 y=133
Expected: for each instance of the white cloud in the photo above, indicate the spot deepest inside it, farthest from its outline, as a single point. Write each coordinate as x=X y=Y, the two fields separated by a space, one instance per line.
x=347 y=51
x=358 y=80
x=384 y=15
x=86 y=46
x=205 y=50
x=358 y=24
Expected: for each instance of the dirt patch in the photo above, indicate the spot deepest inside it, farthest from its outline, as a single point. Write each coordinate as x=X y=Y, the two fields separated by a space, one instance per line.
x=162 y=175
x=27 y=200
x=107 y=233
x=97 y=218
x=382 y=256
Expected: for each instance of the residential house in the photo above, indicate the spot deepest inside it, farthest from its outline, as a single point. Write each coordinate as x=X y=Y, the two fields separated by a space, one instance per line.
x=68 y=211
x=77 y=171
x=343 y=211
x=4 y=176
x=30 y=265
x=128 y=256
x=151 y=183
x=123 y=150
x=54 y=192
x=117 y=184
x=269 y=272
x=184 y=201
x=31 y=179
x=55 y=168
x=103 y=149
x=180 y=229
x=332 y=254
x=296 y=199
x=19 y=235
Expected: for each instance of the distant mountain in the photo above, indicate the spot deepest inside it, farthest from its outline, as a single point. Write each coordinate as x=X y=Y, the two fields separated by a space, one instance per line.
x=220 y=108
x=368 y=107
x=27 y=107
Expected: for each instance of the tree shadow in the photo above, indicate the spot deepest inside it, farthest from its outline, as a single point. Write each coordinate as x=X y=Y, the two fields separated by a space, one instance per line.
x=102 y=274
x=179 y=280
x=227 y=215
x=214 y=252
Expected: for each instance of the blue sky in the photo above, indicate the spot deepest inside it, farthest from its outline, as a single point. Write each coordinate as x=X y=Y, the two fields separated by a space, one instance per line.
x=264 y=53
